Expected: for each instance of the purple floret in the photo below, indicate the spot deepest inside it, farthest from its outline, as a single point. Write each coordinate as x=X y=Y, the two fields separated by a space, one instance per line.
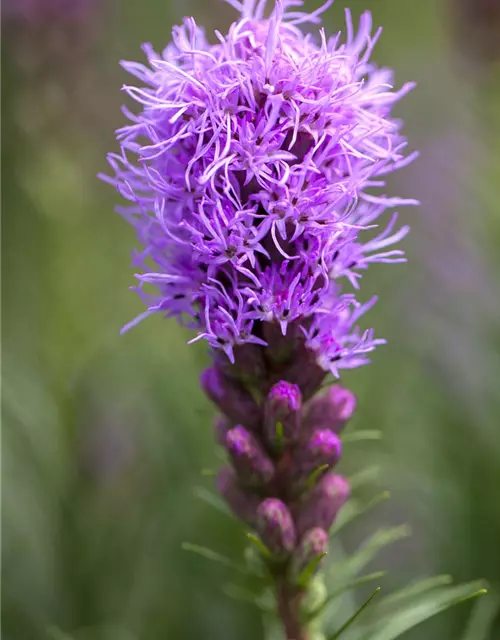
x=253 y=168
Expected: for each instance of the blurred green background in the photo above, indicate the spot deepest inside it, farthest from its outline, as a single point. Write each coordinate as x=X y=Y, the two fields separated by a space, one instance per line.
x=105 y=437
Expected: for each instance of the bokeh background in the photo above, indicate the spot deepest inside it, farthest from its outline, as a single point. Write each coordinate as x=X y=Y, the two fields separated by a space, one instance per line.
x=105 y=438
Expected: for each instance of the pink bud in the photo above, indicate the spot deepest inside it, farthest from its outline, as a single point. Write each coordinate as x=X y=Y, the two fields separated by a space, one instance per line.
x=275 y=527
x=283 y=405
x=249 y=459
x=331 y=410
x=320 y=507
x=242 y=504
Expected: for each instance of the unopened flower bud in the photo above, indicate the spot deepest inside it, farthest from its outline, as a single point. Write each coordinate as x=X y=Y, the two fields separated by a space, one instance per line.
x=331 y=410
x=314 y=543
x=275 y=527
x=231 y=398
x=323 y=448
x=321 y=506
x=282 y=412
x=242 y=504
x=249 y=459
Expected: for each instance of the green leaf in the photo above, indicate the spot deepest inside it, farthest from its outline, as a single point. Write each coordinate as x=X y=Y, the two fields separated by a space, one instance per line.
x=394 y=624
x=366 y=476
x=415 y=589
x=208 y=473
x=365 y=554
x=279 y=433
x=210 y=554
x=482 y=618
x=362 y=435
x=245 y=595
x=308 y=571
x=54 y=633
x=347 y=587
x=260 y=545
x=311 y=481
x=212 y=499
x=349 y=622
x=353 y=509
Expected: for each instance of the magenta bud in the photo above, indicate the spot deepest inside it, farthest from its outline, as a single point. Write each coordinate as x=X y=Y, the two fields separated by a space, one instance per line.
x=330 y=410
x=230 y=397
x=282 y=412
x=275 y=527
x=320 y=507
x=323 y=448
x=242 y=504
x=313 y=544
x=249 y=459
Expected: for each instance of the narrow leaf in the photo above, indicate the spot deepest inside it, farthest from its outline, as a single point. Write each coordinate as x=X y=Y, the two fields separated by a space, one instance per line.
x=366 y=476
x=311 y=481
x=209 y=554
x=349 y=622
x=415 y=589
x=54 y=633
x=308 y=571
x=394 y=625
x=482 y=618
x=353 y=509
x=347 y=587
x=365 y=554
x=212 y=499
x=260 y=545
x=361 y=436
x=244 y=595
x=279 y=433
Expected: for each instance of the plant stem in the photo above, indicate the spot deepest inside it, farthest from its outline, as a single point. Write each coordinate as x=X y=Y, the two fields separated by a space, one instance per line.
x=288 y=599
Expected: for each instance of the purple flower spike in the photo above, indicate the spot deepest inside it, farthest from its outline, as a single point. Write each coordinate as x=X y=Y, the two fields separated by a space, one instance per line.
x=275 y=527
x=331 y=410
x=252 y=169
x=282 y=412
x=249 y=459
x=313 y=543
x=242 y=504
x=321 y=506
x=232 y=399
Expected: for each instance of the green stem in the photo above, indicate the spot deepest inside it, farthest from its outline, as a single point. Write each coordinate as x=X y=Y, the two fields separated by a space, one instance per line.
x=288 y=600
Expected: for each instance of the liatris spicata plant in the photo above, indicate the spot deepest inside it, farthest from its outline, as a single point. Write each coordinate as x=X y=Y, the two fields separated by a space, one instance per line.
x=255 y=171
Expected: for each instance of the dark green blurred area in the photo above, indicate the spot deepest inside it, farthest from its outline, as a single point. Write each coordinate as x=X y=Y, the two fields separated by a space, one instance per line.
x=105 y=437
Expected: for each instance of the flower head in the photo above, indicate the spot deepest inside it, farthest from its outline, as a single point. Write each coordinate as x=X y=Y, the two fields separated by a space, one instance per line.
x=251 y=170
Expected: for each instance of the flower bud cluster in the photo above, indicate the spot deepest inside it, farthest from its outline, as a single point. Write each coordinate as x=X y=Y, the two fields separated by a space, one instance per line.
x=282 y=450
